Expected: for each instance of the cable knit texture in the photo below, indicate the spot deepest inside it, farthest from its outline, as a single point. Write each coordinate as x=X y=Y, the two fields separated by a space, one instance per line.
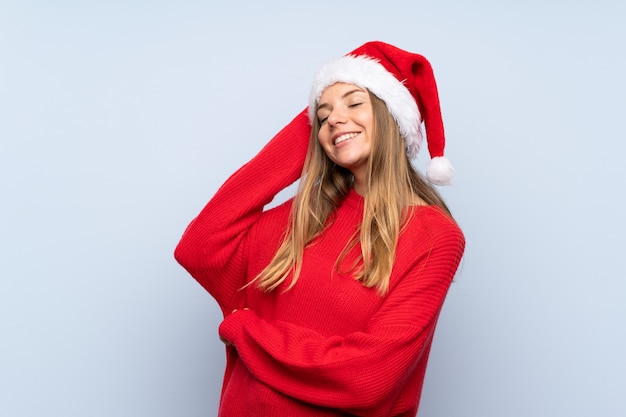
x=329 y=346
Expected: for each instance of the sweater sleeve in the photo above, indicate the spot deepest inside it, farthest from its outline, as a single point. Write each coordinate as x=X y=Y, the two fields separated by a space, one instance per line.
x=362 y=372
x=212 y=248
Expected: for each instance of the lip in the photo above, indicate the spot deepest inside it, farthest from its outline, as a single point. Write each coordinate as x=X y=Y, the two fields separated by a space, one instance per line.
x=340 y=134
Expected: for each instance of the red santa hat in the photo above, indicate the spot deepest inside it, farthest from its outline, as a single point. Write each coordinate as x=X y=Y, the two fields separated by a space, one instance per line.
x=406 y=83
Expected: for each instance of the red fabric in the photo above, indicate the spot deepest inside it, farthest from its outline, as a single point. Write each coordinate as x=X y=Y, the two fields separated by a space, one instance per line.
x=416 y=73
x=328 y=346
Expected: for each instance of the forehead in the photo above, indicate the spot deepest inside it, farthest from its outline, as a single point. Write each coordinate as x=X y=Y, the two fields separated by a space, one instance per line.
x=340 y=90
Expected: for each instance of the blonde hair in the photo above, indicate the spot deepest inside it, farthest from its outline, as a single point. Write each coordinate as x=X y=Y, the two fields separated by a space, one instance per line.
x=393 y=185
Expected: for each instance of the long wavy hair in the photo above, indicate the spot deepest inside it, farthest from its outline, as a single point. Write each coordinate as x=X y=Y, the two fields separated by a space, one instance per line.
x=393 y=186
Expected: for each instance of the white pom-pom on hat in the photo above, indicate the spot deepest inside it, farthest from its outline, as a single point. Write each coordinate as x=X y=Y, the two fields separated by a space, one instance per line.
x=440 y=171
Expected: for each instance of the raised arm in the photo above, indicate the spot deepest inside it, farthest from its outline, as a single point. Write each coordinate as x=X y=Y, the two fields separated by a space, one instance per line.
x=212 y=249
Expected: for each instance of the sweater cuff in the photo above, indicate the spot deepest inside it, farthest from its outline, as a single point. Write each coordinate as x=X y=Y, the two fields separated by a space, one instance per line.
x=231 y=329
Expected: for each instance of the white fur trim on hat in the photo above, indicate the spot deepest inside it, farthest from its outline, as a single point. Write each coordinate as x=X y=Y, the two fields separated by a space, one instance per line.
x=368 y=73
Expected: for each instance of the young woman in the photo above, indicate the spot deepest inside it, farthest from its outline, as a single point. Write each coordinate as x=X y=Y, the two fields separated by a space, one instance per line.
x=330 y=300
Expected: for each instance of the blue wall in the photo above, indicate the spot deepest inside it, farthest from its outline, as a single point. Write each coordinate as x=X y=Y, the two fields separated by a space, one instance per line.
x=119 y=120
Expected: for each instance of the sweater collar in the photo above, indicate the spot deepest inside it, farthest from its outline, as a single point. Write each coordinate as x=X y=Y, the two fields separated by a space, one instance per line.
x=354 y=200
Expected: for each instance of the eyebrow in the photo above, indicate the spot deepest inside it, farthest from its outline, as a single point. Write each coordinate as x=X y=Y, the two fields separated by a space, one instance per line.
x=356 y=90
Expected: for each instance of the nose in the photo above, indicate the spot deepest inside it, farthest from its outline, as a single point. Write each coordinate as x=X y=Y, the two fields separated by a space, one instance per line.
x=336 y=117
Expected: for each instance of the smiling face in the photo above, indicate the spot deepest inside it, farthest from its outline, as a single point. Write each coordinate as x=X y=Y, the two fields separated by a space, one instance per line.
x=347 y=128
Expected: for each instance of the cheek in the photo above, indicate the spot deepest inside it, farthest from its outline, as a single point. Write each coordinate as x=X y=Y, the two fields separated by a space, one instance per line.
x=323 y=138
x=367 y=120
x=324 y=143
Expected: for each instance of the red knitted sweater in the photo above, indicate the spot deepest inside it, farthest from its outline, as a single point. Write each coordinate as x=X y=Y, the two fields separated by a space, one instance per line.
x=329 y=346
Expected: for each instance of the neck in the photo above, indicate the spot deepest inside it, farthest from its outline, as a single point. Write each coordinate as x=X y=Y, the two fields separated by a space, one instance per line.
x=359 y=185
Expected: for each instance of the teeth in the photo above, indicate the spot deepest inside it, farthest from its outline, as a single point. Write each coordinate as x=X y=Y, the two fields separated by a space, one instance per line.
x=345 y=137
